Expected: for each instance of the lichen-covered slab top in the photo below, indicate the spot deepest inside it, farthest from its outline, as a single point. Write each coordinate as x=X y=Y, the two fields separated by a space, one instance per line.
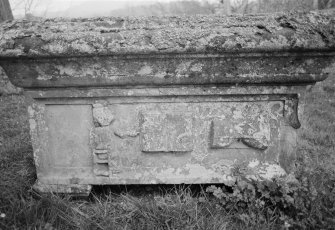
x=157 y=35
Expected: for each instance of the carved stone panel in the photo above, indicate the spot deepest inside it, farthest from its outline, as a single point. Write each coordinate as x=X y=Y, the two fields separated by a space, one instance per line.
x=102 y=116
x=252 y=133
x=68 y=129
x=171 y=132
x=150 y=137
x=167 y=141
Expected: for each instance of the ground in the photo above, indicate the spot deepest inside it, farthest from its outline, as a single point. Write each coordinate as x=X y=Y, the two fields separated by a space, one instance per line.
x=162 y=207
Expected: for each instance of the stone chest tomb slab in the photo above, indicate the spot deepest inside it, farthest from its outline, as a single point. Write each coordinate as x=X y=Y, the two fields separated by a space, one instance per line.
x=134 y=107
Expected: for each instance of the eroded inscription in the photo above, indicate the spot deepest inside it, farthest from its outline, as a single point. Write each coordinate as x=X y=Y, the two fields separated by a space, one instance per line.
x=166 y=132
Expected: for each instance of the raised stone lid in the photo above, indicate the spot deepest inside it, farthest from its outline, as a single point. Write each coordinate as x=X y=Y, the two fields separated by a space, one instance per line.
x=277 y=49
x=157 y=35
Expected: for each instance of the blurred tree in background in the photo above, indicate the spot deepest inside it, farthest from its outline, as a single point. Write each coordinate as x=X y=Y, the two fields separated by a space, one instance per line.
x=159 y=8
x=324 y=4
x=27 y=5
x=5 y=11
x=226 y=7
x=270 y=6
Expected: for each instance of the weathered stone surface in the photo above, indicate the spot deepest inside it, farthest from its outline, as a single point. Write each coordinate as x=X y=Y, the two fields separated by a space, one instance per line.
x=6 y=87
x=170 y=140
x=73 y=189
x=191 y=34
x=167 y=132
x=151 y=51
x=68 y=135
x=247 y=124
x=102 y=116
x=183 y=69
x=166 y=100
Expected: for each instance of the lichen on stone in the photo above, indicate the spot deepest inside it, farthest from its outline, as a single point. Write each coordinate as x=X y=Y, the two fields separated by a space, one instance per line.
x=178 y=34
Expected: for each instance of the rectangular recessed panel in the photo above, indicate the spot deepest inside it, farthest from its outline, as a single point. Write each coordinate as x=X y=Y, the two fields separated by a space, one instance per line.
x=226 y=132
x=69 y=134
x=162 y=132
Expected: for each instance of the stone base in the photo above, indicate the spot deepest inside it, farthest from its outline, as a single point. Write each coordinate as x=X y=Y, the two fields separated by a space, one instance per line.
x=78 y=190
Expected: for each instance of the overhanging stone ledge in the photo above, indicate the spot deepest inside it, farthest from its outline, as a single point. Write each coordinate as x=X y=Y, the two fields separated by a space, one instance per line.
x=170 y=69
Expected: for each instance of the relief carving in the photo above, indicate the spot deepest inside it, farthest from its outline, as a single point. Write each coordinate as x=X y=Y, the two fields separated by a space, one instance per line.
x=166 y=132
x=102 y=116
x=101 y=170
x=101 y=137
x=101 y=166
x=126 y=123
x=254 y=143
x=101 y=156
x=252 y=133
x=138 y=129
x=291 y=112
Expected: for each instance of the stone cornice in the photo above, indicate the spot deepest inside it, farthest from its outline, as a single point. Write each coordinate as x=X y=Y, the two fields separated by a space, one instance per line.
x=267 y=68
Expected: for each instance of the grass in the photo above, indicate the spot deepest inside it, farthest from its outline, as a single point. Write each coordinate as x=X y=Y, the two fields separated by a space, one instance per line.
x=167 y=207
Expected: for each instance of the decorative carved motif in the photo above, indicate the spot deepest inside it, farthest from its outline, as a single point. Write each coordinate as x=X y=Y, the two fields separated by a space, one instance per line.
x=101 y=139
x=291 y=112
x=253 y=133
x=102 y=116
x=254 y=143
x=166 y=132
x=124 y=134
x=101 y=156
x=101 y=166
